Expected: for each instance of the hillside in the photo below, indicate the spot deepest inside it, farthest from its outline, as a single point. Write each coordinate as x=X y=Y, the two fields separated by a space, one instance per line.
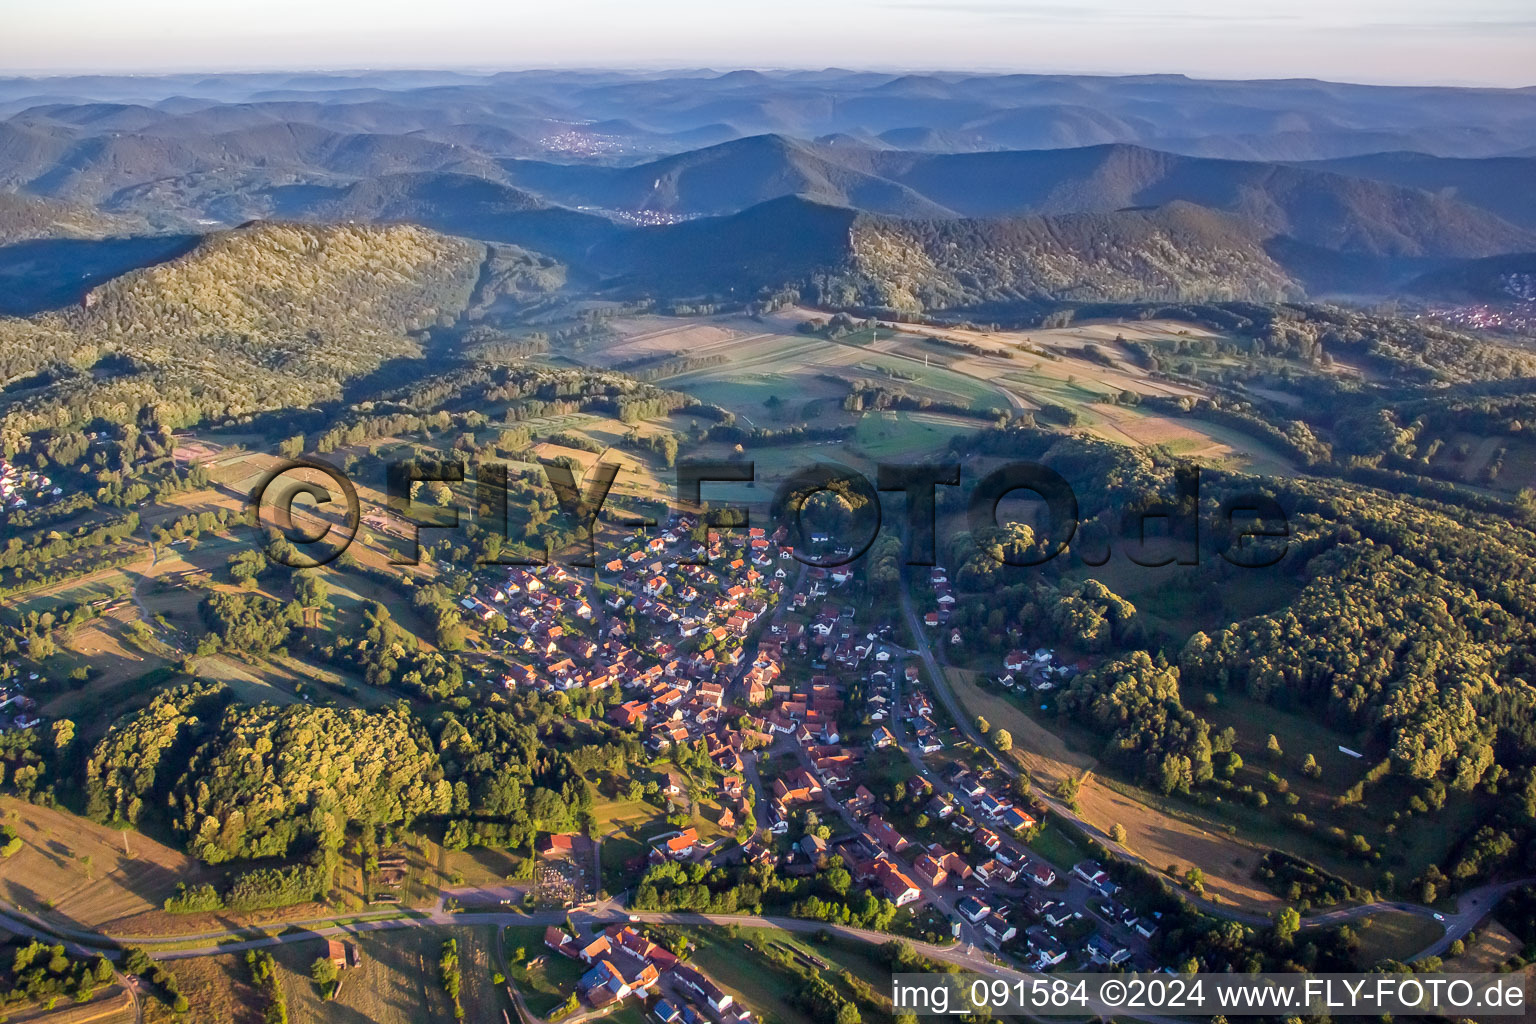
x=724 y=179
x=59 y=162
x=1501 y=185
x=846 y=258
x=24 y=218
x=775 y=243
x=1179 y=253
x=265 y=316
x=1313 y=206
x=1496 y=279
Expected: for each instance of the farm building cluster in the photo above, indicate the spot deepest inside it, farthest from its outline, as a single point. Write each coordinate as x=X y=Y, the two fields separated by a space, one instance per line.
x=21 y=488
x=627 y=965
x=17 y=710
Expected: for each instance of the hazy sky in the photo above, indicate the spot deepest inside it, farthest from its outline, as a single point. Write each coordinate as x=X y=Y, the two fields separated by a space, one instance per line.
x=1452 y=41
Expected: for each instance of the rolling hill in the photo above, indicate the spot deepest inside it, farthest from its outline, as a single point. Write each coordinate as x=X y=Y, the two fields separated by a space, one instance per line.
x=1315 y=207
x=1495 y=279
x=843 y=257
x=724 y=179
x=1501 y=185
x=453 y=204
x=264 y=316
x=24 y=218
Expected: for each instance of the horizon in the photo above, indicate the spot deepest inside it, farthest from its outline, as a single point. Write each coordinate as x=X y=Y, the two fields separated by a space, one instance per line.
x=1484 y=43
x=706 y=71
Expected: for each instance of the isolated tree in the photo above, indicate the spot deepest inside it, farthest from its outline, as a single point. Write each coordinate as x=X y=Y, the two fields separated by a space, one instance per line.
x=1003 y=740
x=1287 y=924
x=324 y=974
x=311 y=590
x=1272 y=745
x=1117 y=833
x=982 y=725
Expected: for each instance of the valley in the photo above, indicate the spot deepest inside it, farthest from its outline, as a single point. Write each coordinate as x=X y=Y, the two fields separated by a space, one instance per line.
x=535 y=733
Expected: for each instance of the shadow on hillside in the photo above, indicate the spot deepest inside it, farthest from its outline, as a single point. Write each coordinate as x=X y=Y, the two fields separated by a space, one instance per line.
x=50 y=273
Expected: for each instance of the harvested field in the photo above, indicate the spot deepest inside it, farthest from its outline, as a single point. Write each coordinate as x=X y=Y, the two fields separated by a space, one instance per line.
x=218 y=991
x=83 y=874
x=397 y=981
x=110 y=1006
x=1494 y=946
x=1396 y=936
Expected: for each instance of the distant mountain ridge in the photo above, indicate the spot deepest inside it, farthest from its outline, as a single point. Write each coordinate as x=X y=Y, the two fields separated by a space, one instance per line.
x=1502 y=185
x=663 y=112
x=933 y=189
x=1314 y=206
x=724 y=179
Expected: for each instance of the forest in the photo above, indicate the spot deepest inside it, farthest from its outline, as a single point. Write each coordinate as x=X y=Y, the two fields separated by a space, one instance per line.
x=1411 y=621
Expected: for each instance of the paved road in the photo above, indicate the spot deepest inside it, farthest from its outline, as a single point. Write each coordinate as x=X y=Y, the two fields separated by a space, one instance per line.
x=1473 y=906
x=26 y=925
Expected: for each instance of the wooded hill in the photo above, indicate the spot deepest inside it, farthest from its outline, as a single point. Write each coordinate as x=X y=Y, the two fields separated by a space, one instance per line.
x=263 y=317
x=839 y=257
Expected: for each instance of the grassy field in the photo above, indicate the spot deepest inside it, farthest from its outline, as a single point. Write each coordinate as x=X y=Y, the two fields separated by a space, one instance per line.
x=480 y=866
x=1059 y=847
x=396 y=984
x=748 y=976
x=548 y=985
x=1395 y=936
x=79 y=873
x=733 y=958
x=884 y=435
x=103 y=586
x=1493 y=947
x=218 y=991
x=1426 y=838
x=111 y=1006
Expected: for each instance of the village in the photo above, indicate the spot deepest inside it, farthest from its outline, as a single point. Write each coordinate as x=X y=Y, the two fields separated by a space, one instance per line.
x=802 y=701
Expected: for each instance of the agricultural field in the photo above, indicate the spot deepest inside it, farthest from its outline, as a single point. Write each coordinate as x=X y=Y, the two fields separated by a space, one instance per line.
x=110 y=1006
x=1209 y=444
x=86 y=875
x=776 y=376
x=397 y=982
x=1396 y=936
x=1467 y=457
x=218 y=991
